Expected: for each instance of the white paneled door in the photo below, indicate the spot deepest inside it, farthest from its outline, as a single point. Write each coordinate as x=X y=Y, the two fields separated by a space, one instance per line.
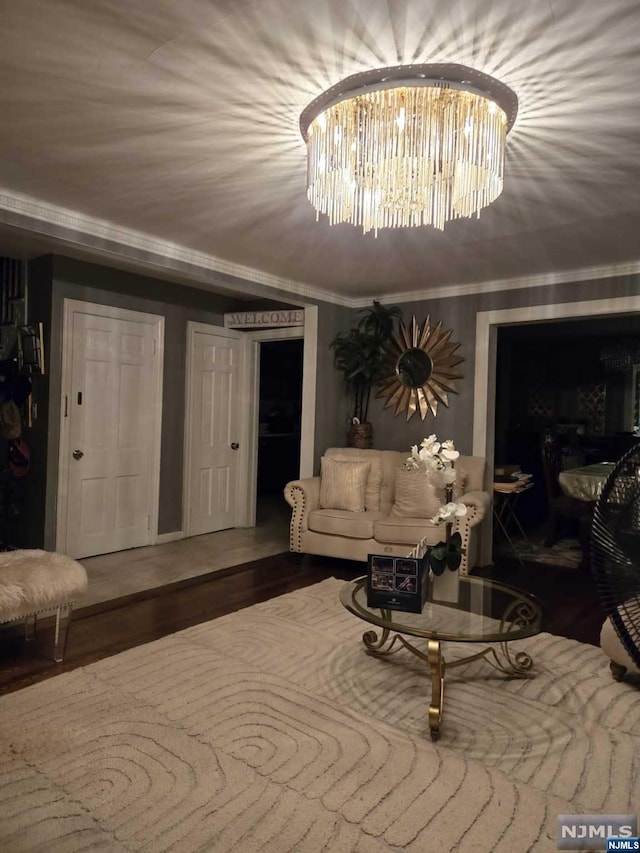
x=111 y=410
x=212 y=437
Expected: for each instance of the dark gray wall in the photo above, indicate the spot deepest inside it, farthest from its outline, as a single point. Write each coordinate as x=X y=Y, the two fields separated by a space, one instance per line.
x=459 y=314
x=52 y=279
x=332 y=402
x=178 y=305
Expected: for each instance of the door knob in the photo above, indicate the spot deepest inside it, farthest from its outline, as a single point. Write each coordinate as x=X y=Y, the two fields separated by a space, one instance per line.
x=77 y=454
x=234 y=445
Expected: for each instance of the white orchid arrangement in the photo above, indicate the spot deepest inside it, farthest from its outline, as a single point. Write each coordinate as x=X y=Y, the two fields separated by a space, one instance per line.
x=437 y=460
x=449 y=512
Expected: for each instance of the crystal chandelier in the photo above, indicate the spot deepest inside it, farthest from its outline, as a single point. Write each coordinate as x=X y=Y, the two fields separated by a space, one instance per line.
x=406 y=146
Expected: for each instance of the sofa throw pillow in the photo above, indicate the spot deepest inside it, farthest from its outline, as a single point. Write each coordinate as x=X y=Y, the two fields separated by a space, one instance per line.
x=416 y=496
x=374 y=478
x=342 y=484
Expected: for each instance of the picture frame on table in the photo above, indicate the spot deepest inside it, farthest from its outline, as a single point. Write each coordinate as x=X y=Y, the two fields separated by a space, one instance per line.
x=397 y=583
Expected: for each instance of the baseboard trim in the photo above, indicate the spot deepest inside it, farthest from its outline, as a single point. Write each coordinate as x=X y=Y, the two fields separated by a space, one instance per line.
x=163 y=538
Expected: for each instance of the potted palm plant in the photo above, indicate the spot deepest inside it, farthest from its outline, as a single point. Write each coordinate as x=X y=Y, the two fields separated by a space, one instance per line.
x=361 y=353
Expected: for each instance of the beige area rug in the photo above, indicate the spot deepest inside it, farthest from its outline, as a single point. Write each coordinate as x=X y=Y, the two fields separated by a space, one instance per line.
x=270 y=729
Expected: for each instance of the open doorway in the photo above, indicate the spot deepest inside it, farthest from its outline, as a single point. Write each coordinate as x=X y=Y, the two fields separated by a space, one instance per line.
x=560 y=378
x=487 y=325
x=280 y=416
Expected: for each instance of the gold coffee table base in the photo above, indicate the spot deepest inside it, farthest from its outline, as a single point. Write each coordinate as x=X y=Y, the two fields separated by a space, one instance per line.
x=486 y=613
x=518 y=665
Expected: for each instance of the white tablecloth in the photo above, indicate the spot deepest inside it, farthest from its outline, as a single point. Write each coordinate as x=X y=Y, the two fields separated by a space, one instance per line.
x=585 y=483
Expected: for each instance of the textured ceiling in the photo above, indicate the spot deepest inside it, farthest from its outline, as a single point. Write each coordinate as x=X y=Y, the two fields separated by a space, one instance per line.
x=180 y=120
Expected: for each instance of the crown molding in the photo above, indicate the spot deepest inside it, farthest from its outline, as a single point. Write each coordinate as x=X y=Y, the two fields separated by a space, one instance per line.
x=105 y=238
x=542 y=280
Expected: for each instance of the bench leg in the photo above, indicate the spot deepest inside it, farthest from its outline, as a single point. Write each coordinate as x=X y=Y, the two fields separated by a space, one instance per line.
x=63 y=618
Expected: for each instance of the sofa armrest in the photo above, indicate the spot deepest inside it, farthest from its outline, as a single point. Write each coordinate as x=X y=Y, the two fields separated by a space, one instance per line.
x=303 y=496
x=478 y=504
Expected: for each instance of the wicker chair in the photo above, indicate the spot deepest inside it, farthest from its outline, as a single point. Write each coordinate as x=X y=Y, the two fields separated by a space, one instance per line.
x=562 y=507
x=615 y=563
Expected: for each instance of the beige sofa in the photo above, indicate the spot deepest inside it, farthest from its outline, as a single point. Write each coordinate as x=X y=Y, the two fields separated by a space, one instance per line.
x=355 y=535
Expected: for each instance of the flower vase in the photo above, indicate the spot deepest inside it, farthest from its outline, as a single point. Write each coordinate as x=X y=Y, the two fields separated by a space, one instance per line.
x=445 y=587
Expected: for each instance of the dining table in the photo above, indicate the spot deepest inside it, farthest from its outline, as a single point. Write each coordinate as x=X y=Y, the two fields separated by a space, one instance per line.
x=585 y=483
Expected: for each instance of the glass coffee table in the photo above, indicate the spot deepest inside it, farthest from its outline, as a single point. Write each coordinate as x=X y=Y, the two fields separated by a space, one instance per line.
x=486 y=612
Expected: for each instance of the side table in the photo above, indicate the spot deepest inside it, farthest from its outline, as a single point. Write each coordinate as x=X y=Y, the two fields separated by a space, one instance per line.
x=505 y=498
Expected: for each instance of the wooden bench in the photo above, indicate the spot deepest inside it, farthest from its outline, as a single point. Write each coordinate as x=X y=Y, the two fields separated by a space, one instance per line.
x=35 y=582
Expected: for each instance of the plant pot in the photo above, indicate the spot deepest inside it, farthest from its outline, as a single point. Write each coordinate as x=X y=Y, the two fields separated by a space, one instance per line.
x=360 y=435
x=445 y=587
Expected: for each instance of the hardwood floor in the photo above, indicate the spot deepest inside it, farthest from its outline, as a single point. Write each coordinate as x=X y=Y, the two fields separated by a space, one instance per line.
x=569 y=594
x=111 y=627
x=108 y=628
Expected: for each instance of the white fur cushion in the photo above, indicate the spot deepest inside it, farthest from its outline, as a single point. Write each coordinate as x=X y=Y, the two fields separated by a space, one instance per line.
x=32 y=580
x=342 y=484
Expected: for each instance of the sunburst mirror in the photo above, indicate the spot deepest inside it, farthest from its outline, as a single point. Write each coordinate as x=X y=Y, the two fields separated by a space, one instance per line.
x=424 y=360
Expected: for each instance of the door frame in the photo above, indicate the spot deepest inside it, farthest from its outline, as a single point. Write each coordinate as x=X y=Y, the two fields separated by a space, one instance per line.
x=244 y=377
x=309 y=335
x=484 y=399
x=70 y=307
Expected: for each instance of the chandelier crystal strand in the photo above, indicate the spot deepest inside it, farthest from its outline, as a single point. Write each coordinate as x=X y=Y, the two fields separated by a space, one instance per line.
x=406 y=156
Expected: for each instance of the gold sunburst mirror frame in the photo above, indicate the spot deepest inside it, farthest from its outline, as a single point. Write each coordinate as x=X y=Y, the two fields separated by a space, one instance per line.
x=425 y=361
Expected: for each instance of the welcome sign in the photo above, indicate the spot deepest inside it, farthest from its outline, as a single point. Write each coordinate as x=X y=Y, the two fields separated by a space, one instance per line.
x=264 y=319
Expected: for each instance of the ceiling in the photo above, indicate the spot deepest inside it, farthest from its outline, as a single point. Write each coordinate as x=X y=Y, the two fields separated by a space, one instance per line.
x=171 y=128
